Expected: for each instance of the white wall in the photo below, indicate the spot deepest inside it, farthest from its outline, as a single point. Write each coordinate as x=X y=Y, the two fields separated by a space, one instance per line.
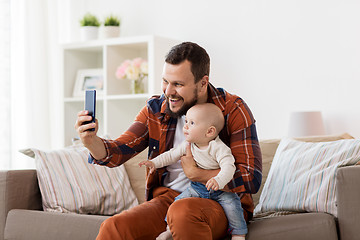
x=280 y=55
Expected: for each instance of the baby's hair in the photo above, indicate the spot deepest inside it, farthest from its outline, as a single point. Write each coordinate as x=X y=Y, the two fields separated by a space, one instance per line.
x=212 y=114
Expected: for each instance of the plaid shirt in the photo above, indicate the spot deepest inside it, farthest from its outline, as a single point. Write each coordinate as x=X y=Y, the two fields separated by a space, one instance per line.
x=155 y=129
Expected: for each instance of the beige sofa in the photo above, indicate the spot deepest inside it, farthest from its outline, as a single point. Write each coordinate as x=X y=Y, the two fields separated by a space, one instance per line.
x=21 y=215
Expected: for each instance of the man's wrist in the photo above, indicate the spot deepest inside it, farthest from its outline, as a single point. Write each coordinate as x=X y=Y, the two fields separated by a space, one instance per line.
x=97 y=148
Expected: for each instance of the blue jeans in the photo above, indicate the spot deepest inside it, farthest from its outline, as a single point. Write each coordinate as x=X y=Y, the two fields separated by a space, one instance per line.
x=230 y=202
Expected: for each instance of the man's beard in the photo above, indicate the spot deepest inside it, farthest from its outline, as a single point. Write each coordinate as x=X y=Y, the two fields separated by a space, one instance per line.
x=183 y=109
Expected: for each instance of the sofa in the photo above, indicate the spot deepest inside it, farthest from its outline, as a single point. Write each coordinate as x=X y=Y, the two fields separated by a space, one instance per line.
x=22 y=217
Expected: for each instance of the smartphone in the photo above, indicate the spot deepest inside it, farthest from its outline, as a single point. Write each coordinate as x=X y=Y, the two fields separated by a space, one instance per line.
x=90 y=103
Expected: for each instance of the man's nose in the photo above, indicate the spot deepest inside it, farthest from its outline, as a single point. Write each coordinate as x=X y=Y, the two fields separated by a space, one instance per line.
x=170 y=90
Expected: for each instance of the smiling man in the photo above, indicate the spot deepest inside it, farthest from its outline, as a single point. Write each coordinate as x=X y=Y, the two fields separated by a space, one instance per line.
x=179 y=87
x=159 y=126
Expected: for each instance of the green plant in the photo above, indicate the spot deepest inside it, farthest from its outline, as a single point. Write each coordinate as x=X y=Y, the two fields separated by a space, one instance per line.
x=89 y=20
x=112 y=21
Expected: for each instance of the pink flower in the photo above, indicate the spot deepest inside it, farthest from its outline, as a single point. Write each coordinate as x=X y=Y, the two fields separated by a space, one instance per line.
x=137 y=62
x=136 y=69
x=121 y=70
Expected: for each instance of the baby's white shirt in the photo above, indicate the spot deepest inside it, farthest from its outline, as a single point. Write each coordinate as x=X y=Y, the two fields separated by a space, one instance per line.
x=216 y=155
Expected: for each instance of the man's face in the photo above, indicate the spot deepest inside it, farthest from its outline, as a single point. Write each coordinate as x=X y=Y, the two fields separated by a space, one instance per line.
x=179 y=88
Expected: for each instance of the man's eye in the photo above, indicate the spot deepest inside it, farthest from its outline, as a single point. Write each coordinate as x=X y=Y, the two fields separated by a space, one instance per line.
x=178 y=85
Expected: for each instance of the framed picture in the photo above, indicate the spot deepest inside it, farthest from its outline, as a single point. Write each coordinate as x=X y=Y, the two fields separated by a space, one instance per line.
x=88 y=79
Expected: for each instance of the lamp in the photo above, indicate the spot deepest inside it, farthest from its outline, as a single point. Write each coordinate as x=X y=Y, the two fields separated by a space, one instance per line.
x=306 y=124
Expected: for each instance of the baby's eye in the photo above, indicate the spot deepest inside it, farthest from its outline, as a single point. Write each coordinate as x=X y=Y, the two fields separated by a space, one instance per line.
x=192 y=122
x=186 y=121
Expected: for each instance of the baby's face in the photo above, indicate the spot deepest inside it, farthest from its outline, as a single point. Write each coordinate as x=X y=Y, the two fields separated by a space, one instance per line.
x=195 y=127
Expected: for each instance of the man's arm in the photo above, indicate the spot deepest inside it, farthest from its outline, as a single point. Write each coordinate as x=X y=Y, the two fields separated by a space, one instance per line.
x=113 y=153
x=245 y=148
x=89 y=138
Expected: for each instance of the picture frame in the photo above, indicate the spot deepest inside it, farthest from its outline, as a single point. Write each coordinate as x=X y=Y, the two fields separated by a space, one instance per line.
x=87 y=79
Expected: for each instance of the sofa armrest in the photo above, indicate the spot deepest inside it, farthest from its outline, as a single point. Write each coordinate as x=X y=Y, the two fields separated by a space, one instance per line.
x=19 y=189
x=348 y=198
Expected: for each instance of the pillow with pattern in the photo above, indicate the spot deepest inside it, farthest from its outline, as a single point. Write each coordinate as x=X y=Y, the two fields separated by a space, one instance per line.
x=302 y=175
x=68 y=183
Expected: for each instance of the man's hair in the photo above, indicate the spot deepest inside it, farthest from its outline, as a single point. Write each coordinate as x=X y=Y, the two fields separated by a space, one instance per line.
x=196 y=55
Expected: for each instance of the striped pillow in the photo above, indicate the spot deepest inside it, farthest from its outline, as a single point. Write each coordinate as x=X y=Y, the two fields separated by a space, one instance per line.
x=302 y=176
x=68 y=183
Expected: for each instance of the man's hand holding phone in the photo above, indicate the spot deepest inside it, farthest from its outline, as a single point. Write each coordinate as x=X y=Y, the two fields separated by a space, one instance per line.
x=86 y=124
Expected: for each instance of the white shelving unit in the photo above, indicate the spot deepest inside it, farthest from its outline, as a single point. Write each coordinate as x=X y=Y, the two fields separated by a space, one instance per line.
x=116 y=108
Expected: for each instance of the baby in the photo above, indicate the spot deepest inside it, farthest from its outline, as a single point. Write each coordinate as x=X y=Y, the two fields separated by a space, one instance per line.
x=203 y=122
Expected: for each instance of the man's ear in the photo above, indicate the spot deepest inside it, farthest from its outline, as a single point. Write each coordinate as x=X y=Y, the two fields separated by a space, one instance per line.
x=211 y=131
x=204 y=82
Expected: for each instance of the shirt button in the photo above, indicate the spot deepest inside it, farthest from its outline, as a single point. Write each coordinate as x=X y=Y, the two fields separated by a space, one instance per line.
x=154 y=147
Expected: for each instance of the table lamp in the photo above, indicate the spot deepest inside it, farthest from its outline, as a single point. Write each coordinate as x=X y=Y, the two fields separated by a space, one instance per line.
x=306 y=124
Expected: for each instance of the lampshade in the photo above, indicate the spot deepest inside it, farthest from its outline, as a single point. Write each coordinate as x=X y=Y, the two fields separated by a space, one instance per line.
x=306 y=124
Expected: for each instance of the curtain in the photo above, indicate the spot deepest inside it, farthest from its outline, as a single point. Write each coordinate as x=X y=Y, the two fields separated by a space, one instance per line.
x=35 y=77
x=30 y=76
x=5 y=122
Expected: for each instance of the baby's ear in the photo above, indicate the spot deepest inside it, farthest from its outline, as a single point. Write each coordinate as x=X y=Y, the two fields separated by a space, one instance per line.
x=211 y=132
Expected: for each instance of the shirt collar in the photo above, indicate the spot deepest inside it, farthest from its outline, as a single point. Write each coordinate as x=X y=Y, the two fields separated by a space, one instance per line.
x=216 y=96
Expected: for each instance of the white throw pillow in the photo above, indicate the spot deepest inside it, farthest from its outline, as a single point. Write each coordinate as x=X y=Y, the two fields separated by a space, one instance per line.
x=302 y=175
x=68 y=183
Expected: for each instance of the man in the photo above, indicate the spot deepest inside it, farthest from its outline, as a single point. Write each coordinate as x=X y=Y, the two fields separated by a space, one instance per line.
x=159 y=127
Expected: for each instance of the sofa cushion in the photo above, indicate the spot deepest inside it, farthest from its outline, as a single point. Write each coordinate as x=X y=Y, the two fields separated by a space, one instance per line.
x=39 y=225
x=309 y=226
x=68 y=183
x=268 y=149
x=302 y=175
x=137 y=175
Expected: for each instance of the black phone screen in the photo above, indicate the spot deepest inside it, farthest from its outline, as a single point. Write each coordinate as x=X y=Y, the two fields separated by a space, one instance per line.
x=90 y=103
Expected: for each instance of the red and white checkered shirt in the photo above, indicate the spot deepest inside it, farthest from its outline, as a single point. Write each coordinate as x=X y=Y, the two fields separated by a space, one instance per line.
x=155 y=129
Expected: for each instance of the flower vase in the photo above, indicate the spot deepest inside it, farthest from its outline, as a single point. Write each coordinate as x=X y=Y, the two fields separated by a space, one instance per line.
x=137 y=86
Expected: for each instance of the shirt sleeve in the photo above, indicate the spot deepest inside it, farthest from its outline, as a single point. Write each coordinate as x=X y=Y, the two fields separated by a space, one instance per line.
x=226 y=163
x=245 y=148
x=133 y=141
x=169 y=157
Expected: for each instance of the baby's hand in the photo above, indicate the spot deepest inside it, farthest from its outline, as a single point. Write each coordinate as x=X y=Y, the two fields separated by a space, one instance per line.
x=149 y=164
x=212 y=184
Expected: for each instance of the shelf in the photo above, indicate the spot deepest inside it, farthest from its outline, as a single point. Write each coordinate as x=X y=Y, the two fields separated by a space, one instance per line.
x=128 y=96
x=109 y=97
x=116 y=107
x=130 y=41
x=81 y=99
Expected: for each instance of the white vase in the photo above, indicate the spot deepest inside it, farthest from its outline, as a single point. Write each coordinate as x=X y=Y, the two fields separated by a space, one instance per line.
x=89 y=33
x=111 y=31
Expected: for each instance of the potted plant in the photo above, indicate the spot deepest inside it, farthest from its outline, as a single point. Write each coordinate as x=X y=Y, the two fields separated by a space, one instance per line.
x=111 y=27
x=89 y=27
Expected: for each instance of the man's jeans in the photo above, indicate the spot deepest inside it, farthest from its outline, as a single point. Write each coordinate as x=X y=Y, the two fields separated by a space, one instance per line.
x=230 y=202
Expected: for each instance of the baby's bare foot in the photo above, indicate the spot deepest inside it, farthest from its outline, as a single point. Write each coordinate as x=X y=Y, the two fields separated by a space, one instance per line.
x=165 y=235
x=238 y=237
